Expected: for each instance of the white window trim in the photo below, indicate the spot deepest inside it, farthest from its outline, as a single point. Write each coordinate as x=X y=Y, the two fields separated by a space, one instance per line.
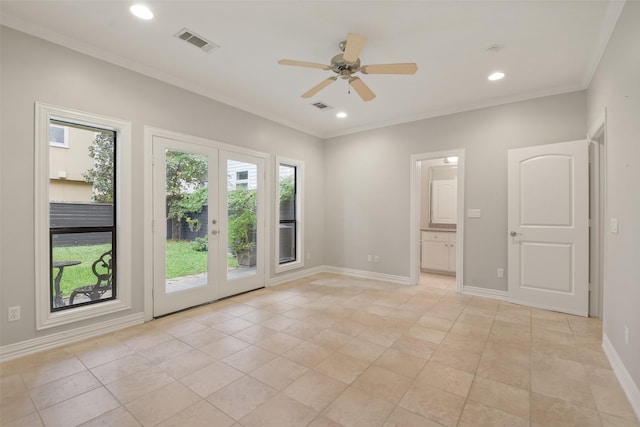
x=64 y=144
x=299 y=262
x=44 y=317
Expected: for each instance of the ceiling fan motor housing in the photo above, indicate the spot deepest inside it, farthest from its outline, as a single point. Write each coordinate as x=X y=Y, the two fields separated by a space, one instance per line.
x=343 y=68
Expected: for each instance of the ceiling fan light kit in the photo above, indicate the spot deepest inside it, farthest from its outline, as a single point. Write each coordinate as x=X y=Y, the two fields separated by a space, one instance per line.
x=347 y=63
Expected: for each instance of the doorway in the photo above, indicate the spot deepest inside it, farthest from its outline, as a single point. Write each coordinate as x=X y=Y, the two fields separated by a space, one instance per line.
x=208 y=215
x=597 y=187
x=436 y=232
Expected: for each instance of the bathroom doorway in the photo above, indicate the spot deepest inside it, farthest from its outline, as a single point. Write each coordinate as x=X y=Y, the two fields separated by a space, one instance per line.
x=437 y=206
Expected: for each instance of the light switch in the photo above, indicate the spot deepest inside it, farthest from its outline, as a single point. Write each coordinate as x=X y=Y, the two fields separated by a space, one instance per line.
x=613 y=225
x=473 y=213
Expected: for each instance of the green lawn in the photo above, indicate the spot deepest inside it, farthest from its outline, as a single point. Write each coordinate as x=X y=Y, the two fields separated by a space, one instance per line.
x=182 y=260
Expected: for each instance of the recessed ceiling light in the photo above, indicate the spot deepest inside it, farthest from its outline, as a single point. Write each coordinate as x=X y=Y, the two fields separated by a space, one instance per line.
x=341 y=115
x=496 y=76
x=141 y=11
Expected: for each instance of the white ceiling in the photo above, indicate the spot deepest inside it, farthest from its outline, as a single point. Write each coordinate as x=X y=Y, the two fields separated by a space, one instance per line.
x=548 y=47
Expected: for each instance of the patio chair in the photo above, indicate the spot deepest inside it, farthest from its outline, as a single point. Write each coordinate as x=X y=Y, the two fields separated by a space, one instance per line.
x=103 y=270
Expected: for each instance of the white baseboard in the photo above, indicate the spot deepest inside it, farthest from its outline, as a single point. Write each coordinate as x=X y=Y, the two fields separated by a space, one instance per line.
x=402 y=280
x=289 y=277
x=484 y=292
x=23 y=348
x=624 y=378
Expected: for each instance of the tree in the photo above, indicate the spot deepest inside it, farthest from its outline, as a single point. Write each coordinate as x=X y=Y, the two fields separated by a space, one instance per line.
x=101 y=174
x=186 y=175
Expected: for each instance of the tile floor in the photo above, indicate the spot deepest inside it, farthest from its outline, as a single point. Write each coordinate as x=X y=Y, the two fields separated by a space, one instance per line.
x=328 y=350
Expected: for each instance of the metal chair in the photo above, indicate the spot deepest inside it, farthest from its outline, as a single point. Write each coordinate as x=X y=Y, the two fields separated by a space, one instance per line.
x=103 y=270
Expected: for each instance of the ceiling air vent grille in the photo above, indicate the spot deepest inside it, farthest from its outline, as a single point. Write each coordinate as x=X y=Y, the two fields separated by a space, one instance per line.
x=196 y=40
x=321 y=106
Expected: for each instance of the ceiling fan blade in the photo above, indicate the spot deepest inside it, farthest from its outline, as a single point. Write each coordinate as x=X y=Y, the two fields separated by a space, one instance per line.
x=355 y=43
x=409 y=68
x=363 y=90
x=303 y=64
x=317 y=88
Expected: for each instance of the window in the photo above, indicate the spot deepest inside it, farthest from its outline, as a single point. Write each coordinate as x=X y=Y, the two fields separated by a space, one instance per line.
x=83 y=242
x=82 y=224
x=58 y=136
x=242 y=180
x=289 y=215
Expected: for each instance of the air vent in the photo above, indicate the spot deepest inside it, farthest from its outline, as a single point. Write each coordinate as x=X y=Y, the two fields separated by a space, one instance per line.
x=321 y=106
x=196 y=40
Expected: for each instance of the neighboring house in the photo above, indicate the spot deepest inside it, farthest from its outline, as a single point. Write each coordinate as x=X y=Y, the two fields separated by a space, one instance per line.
x=69 y=159
x=241 y=176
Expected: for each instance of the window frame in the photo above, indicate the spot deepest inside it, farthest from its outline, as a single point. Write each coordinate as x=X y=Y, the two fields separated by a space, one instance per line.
x=45 y=317
x=299 y=210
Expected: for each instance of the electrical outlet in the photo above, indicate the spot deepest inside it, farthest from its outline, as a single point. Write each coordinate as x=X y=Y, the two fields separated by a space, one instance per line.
x=626 y=334
x=376 y=259
x=308 y=255
x=14 y=313
x=500 y=273
x=369 y=258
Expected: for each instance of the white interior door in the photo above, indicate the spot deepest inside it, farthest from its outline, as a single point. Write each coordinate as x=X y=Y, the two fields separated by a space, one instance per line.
x=549 y=227
x=208 y=224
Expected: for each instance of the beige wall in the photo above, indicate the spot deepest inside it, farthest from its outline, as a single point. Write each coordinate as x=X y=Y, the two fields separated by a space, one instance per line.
x=367 y=181
x=74 y=160
x=36 y=70
x=69 y=191
x=66 y=166
x=616 y=88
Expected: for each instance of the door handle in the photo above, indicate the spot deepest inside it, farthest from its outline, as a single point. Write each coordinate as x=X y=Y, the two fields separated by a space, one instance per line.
x=514 y=234
x=214 y=232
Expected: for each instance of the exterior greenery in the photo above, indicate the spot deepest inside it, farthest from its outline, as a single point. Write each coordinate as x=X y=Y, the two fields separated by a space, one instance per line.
x=102 y=152
x=242 y=222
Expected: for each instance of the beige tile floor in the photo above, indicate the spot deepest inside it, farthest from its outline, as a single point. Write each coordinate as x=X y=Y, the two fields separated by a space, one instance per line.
x=328 y=350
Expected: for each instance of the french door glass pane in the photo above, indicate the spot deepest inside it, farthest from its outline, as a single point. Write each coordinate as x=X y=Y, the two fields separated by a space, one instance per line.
x=242 y=186
x=187 y=220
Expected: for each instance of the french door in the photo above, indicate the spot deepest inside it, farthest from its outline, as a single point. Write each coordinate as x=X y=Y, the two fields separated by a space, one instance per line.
x=208 y=224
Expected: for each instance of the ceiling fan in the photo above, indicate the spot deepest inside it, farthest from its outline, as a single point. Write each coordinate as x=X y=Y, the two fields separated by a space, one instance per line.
x=347 y=63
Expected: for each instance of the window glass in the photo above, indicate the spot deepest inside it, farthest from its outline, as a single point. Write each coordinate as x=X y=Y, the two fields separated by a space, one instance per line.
x=58 y=135
x=287 y=227
x=82 y=220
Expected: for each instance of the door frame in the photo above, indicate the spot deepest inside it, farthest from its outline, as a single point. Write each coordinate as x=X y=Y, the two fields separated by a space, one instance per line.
x=149 y=133
x=414 y=216
x=597 y=137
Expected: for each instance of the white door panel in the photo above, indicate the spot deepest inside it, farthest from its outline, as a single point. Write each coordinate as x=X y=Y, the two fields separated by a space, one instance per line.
x=171 y=293
x=548 y=226
x=238 y=276
x=546 y=181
